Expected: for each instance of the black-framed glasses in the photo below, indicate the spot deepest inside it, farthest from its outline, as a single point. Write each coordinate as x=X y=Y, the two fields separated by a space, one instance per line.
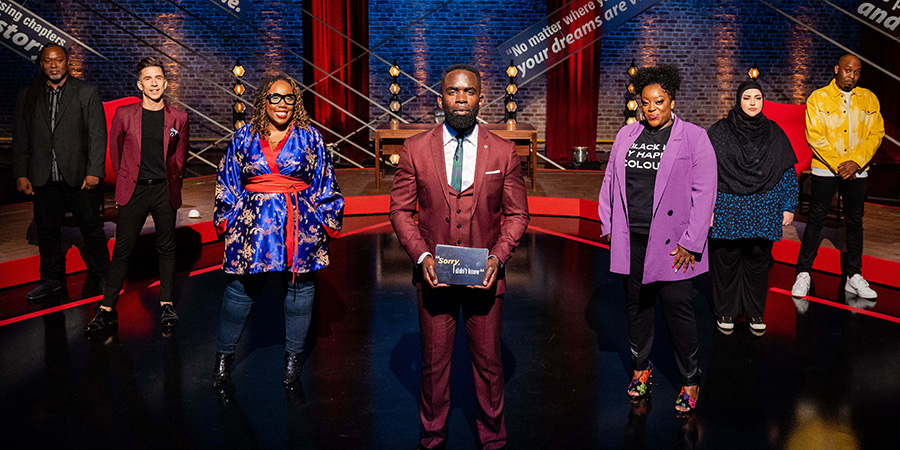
x=275 y=99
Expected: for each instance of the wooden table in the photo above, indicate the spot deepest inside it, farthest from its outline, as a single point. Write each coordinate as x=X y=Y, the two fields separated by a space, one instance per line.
x=389 y=141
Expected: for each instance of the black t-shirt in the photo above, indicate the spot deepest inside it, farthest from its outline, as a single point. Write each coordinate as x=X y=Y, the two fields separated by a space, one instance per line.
x=641 y=165
x=153 y=164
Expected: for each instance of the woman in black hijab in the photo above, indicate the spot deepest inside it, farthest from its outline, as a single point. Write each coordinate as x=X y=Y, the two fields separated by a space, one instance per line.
x=757 y=195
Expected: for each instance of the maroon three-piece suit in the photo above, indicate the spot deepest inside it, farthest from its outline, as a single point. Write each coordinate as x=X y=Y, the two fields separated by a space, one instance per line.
x=471 y=218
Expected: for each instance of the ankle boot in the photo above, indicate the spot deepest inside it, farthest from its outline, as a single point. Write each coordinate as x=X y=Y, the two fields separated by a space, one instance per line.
x=292 y=366
x=222 y=372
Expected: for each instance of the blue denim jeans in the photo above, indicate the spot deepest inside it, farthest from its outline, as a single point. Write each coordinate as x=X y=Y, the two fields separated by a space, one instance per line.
x=240 y=293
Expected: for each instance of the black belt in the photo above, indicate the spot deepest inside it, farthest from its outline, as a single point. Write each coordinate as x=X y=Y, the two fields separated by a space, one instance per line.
x=151 y=181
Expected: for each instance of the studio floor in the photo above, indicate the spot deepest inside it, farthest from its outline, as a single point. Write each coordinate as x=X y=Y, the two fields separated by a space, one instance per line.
x=826 y=374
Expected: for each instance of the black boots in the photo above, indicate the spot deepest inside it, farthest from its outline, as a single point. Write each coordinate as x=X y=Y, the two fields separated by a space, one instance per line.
x=222 y=372
x=103 y=321
x=292 y=366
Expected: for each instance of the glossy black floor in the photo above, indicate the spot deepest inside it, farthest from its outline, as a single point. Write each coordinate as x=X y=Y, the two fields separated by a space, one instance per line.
x=820 y=377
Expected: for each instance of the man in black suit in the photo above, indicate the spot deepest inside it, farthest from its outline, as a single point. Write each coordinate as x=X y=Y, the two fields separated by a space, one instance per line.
x=59 y=153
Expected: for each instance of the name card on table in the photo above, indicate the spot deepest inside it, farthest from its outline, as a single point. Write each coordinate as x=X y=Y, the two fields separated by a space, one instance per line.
x=460 y=265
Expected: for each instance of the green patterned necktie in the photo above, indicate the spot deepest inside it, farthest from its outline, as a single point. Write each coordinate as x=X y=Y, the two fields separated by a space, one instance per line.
x=456 y=175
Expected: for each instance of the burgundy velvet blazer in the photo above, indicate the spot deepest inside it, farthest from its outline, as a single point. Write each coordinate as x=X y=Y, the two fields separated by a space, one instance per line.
x=498 y=218
x=125 y=150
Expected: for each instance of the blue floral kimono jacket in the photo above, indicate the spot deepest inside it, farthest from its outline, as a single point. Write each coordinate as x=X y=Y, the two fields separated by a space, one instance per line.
x=258 y=226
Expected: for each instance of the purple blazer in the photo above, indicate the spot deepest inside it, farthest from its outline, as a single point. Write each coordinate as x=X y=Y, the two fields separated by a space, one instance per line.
x=683 y=199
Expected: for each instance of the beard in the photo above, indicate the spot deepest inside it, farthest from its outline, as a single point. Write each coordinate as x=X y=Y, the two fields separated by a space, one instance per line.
x=460 y=123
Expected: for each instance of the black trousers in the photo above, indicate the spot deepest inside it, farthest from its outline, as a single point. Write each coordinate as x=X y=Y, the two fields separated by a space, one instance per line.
x=153 y=199
x=678 y=310
x=853 y=194
x=51 y=201
x=740 y=273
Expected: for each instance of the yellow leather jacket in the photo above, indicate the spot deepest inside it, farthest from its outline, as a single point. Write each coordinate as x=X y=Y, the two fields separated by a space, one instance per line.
x=827 y=124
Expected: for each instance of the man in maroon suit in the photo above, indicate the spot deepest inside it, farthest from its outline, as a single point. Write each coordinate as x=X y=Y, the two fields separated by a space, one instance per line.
x=148 y=143
x=464 y=179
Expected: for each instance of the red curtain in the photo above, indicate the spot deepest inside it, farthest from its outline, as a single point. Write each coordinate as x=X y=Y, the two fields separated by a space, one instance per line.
x=573 y=92
x=329 y=51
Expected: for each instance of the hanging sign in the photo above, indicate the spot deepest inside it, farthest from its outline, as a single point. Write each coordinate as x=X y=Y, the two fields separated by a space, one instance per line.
x=25 y=33
x=567 y=30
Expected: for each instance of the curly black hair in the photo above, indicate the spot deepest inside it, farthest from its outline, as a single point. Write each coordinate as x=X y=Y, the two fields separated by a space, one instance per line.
x=665 y=76
x=259 y=122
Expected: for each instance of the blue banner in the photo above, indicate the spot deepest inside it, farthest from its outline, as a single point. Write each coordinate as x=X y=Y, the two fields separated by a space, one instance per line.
x=882 y=15
x=237 y=8
x=25 y=33
x=567 y=30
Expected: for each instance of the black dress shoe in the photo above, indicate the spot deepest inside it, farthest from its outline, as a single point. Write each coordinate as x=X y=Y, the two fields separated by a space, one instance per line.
x=292 y=366
x=222 y=372
x=44 y=289
x=103 y=321
x=167 y=317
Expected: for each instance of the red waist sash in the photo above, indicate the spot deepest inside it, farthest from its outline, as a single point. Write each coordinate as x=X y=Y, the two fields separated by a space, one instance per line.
x=275 y=183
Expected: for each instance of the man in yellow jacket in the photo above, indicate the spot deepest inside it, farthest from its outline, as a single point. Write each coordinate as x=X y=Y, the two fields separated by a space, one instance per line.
x=844 y=128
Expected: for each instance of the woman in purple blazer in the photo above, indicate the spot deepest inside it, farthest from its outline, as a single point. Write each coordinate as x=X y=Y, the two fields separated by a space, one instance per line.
x=656 y=204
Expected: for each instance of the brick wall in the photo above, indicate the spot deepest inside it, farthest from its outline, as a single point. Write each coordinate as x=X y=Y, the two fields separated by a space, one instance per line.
x=426 y=36
x=714 y=43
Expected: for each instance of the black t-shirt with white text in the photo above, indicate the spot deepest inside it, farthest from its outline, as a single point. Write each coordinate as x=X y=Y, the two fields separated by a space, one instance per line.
x=641 y=166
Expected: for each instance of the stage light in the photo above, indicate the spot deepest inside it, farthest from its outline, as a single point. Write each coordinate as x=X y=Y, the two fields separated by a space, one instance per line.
x=630 y=104
x=511 y=90
x=512 y=71
x=395 y=70
x=753 y=72
x=395 y=158
x=238 y=109
x=238 y=69
x=394 y=103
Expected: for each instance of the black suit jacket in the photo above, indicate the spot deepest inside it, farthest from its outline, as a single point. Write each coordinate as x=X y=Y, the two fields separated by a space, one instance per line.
x=79 y=136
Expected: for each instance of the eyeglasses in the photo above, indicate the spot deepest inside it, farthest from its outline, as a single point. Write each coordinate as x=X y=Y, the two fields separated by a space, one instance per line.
x=275 y=99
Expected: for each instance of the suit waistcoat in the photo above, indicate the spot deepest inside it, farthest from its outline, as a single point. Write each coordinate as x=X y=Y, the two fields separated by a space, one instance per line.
x=462 y=206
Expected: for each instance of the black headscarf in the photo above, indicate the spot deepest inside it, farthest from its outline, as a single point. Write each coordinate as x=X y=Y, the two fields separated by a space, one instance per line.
x=752 y=153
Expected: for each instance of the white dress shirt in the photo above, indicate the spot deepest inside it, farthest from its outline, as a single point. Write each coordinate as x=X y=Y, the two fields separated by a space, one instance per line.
x=470 y=151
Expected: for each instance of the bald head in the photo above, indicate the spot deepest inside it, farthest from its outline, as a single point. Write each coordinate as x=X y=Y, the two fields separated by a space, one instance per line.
x=846 y=72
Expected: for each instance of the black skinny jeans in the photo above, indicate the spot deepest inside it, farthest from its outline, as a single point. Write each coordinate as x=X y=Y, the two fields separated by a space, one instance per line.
x=853 y=193
x=153 y=199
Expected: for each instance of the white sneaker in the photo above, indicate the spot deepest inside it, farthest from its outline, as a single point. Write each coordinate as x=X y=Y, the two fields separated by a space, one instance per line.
x=801 y=286
x=859 y=286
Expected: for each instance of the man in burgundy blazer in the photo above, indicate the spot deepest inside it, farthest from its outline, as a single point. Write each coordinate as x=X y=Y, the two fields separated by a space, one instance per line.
x=149 y=168
x=464 y=180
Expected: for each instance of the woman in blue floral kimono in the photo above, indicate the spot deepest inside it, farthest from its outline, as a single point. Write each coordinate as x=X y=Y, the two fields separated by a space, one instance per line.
x=277 y=201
